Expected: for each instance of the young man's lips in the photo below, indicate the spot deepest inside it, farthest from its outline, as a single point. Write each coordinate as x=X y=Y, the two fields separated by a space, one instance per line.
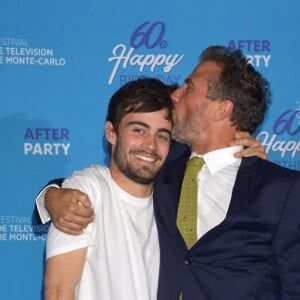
x=145 y=158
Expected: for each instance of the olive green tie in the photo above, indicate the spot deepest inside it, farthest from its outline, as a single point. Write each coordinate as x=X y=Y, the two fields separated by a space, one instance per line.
x=187 y=209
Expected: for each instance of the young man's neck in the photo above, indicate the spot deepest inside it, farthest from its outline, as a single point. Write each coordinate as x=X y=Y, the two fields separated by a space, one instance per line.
x=129 y=186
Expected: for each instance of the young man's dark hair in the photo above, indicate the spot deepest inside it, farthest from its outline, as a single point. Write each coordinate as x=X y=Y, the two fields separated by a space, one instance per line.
x=131 y=98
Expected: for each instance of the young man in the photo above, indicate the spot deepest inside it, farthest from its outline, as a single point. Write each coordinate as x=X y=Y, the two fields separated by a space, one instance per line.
x=117 y=257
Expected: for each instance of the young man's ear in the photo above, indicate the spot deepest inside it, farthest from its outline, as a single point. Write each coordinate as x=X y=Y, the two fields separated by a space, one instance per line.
x=223 y=110
x=110 y=133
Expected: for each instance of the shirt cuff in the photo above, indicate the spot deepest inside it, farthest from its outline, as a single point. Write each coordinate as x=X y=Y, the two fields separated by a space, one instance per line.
x=40 y=203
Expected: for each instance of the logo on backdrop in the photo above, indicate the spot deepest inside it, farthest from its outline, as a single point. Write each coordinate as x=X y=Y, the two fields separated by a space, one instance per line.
x=46 y=141
x=20 y=228
x=16 y=51
x=257 y=51
x=285 y=138
x=147 y=37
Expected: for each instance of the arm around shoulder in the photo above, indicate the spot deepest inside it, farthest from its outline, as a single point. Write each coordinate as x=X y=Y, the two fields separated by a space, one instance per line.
x=70 y=209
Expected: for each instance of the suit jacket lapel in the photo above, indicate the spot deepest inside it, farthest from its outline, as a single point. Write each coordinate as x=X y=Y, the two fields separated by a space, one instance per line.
x=242 y=186
x=166 y=197
x=240 y=196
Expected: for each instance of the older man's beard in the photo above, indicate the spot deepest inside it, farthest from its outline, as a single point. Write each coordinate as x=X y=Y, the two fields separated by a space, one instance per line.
x=187 y=130
x=180 y=130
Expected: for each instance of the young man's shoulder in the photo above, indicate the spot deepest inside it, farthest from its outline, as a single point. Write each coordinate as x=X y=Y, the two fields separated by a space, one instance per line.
x=91 y=171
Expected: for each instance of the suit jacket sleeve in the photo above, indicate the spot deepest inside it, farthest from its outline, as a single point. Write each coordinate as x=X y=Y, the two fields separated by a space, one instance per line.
x=40 y=210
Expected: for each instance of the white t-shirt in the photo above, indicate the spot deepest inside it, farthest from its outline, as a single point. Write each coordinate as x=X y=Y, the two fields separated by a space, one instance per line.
x=123 y=251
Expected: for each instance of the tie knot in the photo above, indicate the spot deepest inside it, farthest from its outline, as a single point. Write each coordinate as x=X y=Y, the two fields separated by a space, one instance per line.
x=195 y=163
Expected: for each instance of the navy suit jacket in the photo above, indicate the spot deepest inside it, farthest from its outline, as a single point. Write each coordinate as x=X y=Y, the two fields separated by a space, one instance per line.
x=253 y=254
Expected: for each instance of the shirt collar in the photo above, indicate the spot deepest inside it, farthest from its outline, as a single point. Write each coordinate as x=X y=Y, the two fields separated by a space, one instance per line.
x=220 y=158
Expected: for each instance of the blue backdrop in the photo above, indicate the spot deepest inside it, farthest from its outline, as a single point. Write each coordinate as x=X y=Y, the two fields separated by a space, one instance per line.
x=60 y=61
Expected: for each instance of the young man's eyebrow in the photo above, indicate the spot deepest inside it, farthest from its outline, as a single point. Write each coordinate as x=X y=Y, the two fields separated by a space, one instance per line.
x=162 y=129
x=138 y=123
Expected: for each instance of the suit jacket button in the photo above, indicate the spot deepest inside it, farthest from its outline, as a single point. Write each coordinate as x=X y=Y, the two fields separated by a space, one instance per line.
x=188 y=260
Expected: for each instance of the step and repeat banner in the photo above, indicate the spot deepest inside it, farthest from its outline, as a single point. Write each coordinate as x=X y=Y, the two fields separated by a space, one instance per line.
x=60 y=62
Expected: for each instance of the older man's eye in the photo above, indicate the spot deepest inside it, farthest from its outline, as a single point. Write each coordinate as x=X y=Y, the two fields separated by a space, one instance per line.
x=188 y=89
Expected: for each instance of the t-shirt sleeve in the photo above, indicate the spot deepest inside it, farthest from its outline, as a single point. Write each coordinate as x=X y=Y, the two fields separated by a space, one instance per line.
x=59 y=242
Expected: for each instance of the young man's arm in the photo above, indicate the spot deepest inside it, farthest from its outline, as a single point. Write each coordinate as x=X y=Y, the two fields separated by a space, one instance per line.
x=62 y=274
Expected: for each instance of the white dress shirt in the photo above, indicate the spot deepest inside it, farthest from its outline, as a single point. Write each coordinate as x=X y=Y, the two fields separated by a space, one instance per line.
x=215 y=183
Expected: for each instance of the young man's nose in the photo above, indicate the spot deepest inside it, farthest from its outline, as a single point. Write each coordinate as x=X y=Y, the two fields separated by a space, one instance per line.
x=150 y=141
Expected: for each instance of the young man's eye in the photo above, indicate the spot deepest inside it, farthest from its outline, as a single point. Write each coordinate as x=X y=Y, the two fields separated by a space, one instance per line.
x=139 y=130
x=164 y=138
